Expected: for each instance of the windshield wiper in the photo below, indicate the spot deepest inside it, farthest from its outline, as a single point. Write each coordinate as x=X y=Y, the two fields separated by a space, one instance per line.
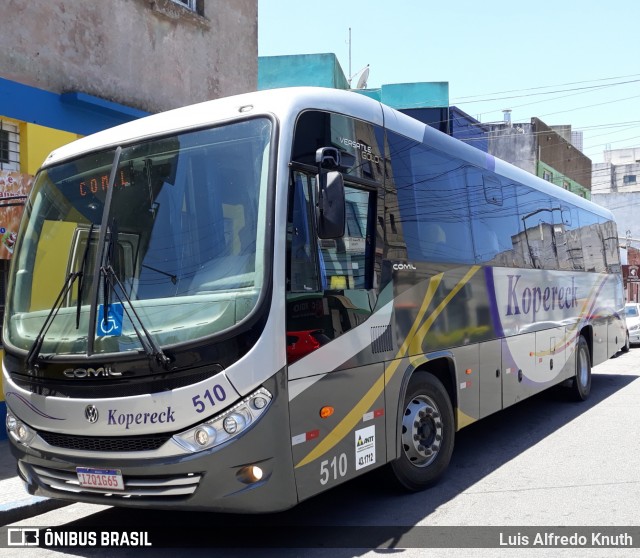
x=174 y=278
x=147 y=341
x=100 y=251
x=103 y=268
x=34 y=351
x=81 y=276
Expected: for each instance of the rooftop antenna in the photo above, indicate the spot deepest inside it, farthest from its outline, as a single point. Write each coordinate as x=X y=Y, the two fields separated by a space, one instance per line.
x=350 y=58
x=364 y=72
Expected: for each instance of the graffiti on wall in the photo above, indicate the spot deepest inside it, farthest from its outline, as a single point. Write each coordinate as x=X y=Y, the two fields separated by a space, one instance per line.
x=14 y=189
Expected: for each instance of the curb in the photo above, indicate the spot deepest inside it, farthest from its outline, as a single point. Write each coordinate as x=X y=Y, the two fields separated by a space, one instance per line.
x=28 y=509
x=16 y=504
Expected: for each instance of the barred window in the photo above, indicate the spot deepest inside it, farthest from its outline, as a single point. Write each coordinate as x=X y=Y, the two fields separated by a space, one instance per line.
x=196 y=6
x=9 y=147
x=191 y=4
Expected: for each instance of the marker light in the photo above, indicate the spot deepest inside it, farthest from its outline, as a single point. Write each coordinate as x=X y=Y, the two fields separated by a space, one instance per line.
x=259 y=402
x=226 y=425
x=230 y=424
x=204 y=435
x=326 y=411
x=19 y=431
x=12 y=423
x=22 y=432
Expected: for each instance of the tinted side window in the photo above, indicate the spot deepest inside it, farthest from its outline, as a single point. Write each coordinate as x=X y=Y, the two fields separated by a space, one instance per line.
x=592 y=242
x=609 y=233
x=359 y=142
x=433 y=203
x=494 y=219
x=567 y=238
x=536 y=238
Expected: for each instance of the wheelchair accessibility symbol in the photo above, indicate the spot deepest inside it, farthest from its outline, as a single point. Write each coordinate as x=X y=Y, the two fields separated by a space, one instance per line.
x=113 y=324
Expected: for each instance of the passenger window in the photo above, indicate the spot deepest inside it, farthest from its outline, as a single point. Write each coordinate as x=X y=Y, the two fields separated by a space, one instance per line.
x=536 y=238
x=592 y=242
x=494 y=220
x=432 y=198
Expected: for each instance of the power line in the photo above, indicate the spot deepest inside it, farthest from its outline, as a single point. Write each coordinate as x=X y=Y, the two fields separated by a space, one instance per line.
x=587 y=88
x=547 y=86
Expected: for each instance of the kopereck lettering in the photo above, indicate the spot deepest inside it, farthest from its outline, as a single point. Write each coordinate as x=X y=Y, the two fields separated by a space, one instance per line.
x=115 y=418
x=533 y=300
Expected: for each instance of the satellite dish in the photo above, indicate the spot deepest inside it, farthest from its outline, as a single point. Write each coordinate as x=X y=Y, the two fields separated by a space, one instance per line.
x=362 y=82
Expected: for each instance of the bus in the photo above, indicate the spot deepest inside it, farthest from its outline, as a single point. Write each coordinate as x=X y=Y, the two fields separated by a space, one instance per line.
x=237 y=305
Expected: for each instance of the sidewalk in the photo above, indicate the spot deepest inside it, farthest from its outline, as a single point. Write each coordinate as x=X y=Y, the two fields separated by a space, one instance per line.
x=15 y=502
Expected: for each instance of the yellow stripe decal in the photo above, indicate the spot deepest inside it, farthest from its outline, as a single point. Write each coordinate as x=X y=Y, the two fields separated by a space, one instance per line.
x=355 y=415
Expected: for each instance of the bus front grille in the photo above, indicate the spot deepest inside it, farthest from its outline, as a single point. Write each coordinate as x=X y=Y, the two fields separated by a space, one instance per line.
x=135 y=487
x=105 y=443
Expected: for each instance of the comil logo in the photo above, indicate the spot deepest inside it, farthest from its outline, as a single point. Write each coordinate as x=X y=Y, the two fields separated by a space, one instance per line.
x=404 y=267
x=104 y=372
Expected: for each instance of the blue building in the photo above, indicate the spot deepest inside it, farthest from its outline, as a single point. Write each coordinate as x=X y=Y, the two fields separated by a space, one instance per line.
x=557 y=160
x=427 y=102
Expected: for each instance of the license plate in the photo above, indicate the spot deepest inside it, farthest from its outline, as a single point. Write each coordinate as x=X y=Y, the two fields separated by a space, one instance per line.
x=100 y=479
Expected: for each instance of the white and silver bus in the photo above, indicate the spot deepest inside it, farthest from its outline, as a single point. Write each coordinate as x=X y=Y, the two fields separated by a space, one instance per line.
x=237 y=305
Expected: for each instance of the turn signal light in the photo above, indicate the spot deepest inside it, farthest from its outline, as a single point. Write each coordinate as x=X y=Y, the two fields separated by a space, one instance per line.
x=326 y=412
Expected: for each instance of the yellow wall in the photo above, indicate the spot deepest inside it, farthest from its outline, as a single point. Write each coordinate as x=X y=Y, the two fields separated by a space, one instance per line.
x=36 y=142
x=51 y=263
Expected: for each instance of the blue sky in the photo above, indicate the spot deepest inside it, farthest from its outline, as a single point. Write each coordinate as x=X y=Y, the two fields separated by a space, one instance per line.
x=564 y=61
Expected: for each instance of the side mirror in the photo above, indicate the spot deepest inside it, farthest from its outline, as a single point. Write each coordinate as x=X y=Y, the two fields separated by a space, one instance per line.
x=330 y=205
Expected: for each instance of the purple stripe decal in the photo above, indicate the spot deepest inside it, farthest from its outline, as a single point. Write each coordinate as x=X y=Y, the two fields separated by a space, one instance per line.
x=28 y=403
x=490 y=162
x=493 y=303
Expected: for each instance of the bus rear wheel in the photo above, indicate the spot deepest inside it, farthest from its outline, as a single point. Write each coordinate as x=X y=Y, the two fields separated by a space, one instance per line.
x=427 y=433
x=581 y=384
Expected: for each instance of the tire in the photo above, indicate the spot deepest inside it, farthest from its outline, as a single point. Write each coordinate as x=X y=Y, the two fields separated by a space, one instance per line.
x=627 y=344
x=581 y=385
x=426 y=433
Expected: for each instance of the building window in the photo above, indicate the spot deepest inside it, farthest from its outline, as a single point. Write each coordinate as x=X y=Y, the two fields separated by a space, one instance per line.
x=189 y=4
x=629 y=179
x=566 y=185
x=9 y=147
x=547 y=176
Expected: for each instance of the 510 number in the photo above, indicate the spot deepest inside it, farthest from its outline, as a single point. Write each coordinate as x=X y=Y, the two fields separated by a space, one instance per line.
x=209 y=398
x=333 y=469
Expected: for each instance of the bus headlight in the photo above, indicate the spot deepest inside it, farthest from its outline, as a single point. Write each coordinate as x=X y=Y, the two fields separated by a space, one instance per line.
x=18 y=430
x=226 y=425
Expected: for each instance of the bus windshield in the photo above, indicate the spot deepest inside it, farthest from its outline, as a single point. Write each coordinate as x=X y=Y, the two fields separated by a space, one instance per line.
x=183 y=243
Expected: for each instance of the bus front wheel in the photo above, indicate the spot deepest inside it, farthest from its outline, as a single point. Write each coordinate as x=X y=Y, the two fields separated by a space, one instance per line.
x=427 y=432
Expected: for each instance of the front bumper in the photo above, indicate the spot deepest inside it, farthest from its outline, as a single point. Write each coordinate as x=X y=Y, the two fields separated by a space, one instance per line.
x=210 y=480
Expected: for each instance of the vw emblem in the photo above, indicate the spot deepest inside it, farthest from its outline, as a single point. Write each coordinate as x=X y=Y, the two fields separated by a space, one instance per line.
x=91 y=413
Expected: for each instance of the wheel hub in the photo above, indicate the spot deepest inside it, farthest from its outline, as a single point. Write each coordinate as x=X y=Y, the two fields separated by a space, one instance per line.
x=421 y=431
